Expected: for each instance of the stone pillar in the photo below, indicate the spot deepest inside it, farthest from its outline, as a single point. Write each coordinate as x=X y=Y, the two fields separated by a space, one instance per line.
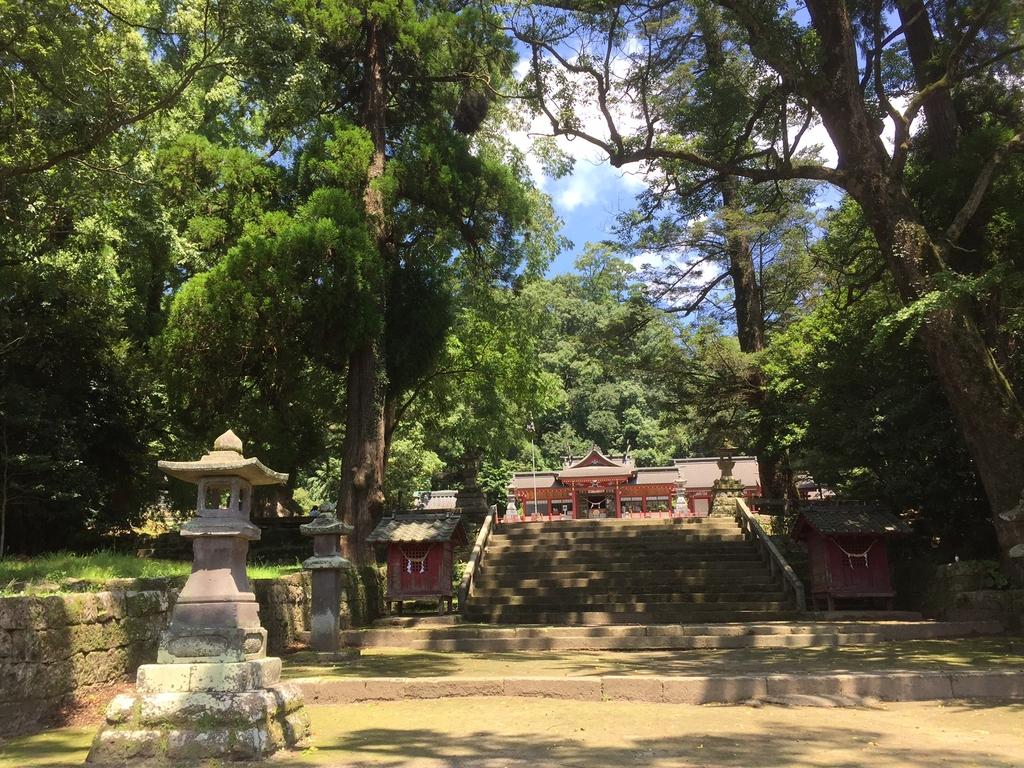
x=213 y=693
x=726 y=488
x=326 y=565
x=469 y=499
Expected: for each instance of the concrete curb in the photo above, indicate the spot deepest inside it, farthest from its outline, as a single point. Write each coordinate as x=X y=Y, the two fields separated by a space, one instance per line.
x=683 y=689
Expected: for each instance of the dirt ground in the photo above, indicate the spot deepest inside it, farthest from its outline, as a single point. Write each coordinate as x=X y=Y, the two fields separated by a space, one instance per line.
x=916 y=655
x=540 y=733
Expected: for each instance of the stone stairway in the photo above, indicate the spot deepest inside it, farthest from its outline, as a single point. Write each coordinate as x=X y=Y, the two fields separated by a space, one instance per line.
x=589 y=572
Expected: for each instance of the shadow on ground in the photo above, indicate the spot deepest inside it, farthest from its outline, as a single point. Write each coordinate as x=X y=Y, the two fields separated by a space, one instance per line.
x=540 y=733
x=917 y=655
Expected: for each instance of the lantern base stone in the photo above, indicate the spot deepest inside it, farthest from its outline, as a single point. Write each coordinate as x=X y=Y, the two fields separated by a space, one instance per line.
x=188 y=645
x=724 y=493
x=186 y=712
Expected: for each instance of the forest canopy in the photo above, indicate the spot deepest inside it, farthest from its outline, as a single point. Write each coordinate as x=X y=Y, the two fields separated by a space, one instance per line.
x=311 y=223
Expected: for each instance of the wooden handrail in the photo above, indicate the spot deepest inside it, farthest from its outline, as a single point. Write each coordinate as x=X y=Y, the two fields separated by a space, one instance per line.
x=466 y=586
x=776 y=561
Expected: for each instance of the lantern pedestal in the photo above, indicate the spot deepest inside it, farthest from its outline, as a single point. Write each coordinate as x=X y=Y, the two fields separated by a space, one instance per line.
x=213 y=692
x=186 y=712
x=724 y=494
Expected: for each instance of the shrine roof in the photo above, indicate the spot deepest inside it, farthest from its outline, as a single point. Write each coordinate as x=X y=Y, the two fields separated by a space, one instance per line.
x=699 y=473
x=419 y=527
x=442 y=500
x=600 y=470
x=849 y=518
x=650 y=475
x=543 y=480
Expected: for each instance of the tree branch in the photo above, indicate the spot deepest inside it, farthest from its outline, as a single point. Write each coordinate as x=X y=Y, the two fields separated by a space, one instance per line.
x=981 y=185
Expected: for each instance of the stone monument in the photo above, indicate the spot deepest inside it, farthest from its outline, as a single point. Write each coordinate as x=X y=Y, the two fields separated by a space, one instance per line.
x=326 y=565
x=726 y=488
x=214 y=692
x=470 y=500
x=682 y=508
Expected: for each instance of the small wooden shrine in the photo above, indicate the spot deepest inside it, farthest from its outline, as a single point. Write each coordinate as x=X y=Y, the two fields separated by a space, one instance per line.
x=848 y=554
x=420 y=556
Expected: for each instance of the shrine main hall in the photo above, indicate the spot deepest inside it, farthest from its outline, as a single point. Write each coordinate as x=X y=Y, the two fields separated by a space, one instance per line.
x=603 y=486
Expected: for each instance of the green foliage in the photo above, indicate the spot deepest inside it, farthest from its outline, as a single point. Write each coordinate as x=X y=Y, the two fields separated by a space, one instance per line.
x=411 y=468
x=53 y=571
x=863 y=414
x=606 y=351
x=259 y=341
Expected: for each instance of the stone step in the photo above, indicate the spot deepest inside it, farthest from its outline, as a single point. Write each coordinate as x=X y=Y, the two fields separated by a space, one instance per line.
x=688 y=614
x=609 y=560
x=656 y=571
x=717 y=544
x=815 y=689
x=645 y=599
x=638 y=605
x=615 y=531
x=610 y=522
x=849 y=628
x=539 y=586
x=618 y=533
x=604 y=591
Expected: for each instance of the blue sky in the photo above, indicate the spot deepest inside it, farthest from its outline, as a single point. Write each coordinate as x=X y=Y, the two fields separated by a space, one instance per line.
x=589 y=199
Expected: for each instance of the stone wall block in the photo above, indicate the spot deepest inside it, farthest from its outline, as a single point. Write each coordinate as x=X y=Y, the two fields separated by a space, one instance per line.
x=99 y=666
x=125 y=746
x=83 y=638
x=144 y=627
x=146 y=603
x=84 y=608
x=32 y=612
x=207 y=708
x=34 y=680
x=121 y=709
x=189 y=745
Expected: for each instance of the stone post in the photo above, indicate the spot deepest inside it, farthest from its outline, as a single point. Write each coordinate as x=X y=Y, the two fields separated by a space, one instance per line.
x=682 y=503
x=326 y=565
x=213 y=693
x=726 y=488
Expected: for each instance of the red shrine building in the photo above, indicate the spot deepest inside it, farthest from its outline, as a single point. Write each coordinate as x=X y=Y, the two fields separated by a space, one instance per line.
x=597 y=486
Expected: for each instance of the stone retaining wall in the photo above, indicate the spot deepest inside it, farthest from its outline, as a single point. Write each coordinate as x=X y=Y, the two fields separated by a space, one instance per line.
x=56 y=647
x=971 y=591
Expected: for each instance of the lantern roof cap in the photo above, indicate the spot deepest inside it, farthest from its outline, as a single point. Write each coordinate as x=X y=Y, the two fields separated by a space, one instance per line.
x=225 y=460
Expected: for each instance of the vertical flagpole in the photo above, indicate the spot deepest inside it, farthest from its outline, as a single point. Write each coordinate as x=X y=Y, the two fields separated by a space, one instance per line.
x=533 y=464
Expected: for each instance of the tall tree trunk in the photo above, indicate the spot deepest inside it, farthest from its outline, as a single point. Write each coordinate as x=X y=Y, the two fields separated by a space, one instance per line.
x=363 y=453
x=987 y=411
x=938 y=106
x=773 y=469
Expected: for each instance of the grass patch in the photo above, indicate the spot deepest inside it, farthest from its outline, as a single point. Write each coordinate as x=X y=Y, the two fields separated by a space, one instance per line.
x=58 y=570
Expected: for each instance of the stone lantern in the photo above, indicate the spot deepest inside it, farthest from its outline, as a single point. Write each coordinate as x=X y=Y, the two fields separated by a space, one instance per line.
x=326 y=565
x=682 y=508
x=216 y=615
x=214 y=692
x=726 y=487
